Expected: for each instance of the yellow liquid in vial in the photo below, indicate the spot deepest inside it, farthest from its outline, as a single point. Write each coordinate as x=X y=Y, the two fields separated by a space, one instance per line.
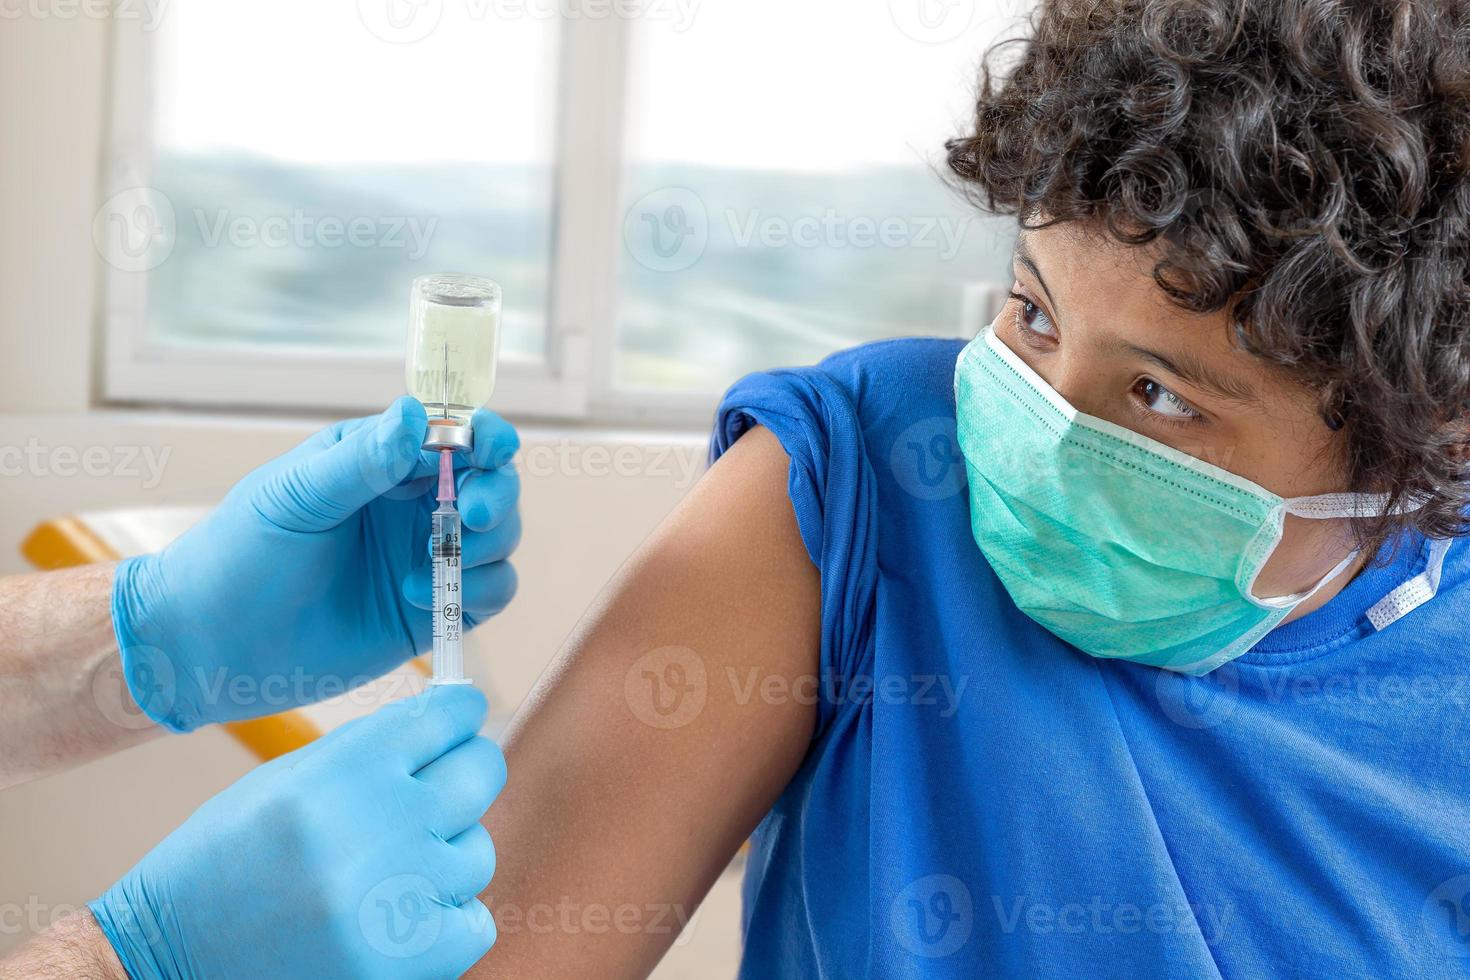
x=452 y=350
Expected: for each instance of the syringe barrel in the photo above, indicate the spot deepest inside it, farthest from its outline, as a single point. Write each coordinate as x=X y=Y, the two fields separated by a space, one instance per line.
x=448 y=611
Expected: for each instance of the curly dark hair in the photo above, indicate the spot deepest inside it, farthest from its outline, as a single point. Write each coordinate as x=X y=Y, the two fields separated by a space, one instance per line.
x=1302 y=163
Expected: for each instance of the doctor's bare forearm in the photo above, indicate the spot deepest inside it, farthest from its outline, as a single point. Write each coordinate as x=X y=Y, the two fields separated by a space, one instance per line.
x=63 y=700
x=73 y=947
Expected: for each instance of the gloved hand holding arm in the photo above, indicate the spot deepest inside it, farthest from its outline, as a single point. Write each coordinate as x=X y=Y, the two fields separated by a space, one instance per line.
x=359 y=855
x=310 y=577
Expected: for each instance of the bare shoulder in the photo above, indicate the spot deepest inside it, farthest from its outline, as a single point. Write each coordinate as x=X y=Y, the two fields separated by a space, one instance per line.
x=650 y=749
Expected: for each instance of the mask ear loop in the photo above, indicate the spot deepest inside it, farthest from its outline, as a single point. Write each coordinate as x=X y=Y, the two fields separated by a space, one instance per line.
x=1408 y=595
x=1353 y=505
x=1327 y=506
x=1323 y=506
x=1288 y=601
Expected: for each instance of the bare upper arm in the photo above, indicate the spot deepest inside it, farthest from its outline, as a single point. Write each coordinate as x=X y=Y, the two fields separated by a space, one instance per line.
x=648 y=751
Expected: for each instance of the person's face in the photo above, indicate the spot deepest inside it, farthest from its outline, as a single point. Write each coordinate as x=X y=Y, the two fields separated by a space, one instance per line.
x=1086 y=315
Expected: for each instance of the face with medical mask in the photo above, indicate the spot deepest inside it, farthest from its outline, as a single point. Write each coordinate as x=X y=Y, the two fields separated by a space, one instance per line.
x=1144 y=488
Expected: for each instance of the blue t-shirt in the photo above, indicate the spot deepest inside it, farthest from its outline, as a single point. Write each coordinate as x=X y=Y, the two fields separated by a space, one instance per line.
x=982 y=800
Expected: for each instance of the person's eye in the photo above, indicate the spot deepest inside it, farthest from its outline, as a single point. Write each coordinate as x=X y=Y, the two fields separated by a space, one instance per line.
x=1032 y=319
x=1161 y=401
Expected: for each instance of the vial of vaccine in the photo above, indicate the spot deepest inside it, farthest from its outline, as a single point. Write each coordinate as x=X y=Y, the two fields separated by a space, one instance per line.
x=453 y=341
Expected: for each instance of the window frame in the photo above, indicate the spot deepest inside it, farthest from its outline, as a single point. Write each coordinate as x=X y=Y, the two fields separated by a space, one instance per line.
x=574 y=383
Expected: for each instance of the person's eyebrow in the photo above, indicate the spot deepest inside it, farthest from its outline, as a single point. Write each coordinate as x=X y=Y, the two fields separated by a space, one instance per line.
x=1181 y=364
x=1191 y=369
x=1023 y=255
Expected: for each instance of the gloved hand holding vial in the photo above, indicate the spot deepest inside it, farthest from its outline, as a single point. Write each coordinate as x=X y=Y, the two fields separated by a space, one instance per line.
x=453 y=340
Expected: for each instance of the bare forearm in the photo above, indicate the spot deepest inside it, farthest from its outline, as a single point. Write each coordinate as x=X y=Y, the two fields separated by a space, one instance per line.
x=63 y=700
x=72 y=947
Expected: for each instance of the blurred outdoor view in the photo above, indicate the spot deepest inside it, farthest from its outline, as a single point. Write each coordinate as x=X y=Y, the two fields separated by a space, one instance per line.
x=783 y=193
x=309 y=286
x=755 y=297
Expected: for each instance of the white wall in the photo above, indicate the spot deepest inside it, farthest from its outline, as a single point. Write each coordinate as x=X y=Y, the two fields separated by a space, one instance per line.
x=65 y=838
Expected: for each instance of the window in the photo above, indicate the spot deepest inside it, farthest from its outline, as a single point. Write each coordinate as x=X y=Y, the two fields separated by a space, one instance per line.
x=671 y=192
x=782 y=189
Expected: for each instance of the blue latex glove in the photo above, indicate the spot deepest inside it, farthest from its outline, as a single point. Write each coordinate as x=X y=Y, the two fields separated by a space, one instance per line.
x=359 y=855
x=312 y=576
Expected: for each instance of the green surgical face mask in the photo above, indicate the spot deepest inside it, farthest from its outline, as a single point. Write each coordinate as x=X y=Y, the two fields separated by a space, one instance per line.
x=1114 y=542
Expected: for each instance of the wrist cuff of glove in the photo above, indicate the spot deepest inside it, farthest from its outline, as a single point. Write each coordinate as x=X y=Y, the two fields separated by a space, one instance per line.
x=133 y=937
x=154 y=678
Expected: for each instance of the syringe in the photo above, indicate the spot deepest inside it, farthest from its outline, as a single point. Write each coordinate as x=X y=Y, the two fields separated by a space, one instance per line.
x=453 y=337
x=448 y=613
